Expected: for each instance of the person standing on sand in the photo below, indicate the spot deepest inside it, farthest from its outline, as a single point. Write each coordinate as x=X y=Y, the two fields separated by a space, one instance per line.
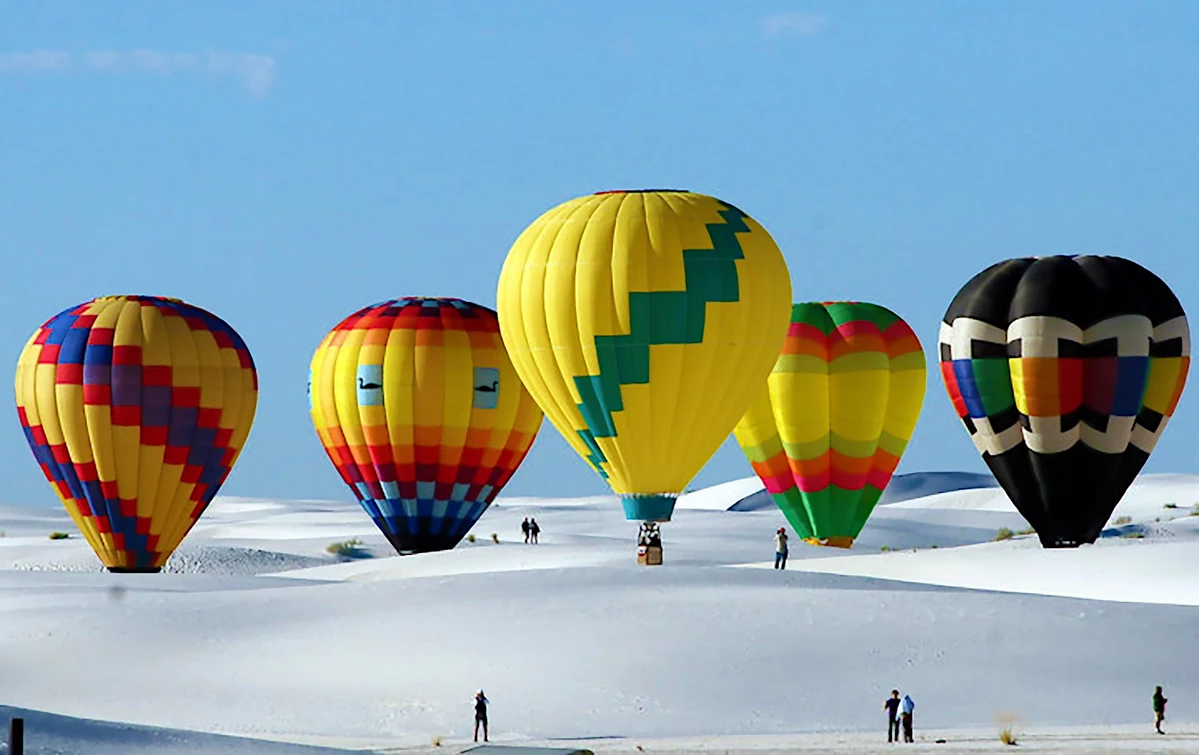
x=1159 y=709
x=906 y=708
x=891 y=705
x=524 y=527
x=481 y=702
x=780 y=549
x=534 y=529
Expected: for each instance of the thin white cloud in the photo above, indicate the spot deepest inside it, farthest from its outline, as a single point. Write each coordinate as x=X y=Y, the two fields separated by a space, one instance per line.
x=794 y=25
x=253 y=71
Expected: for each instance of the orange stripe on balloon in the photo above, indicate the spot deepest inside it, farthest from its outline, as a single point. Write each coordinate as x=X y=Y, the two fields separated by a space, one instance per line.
x=859 y=344
x=885 y=461
x=850 y=464
x=806 y=347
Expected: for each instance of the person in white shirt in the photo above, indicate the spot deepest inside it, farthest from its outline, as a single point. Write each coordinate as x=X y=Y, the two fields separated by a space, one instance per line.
x=780 y=549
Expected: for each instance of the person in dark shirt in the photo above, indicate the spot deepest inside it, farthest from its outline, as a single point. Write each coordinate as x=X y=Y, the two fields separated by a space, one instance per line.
x=891 y=705
x=524 y=527
x=1159 y=709
x=481 y=714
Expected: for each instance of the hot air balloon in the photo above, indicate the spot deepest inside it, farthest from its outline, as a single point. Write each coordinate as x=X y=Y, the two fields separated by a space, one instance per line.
x=643 y=322
x=1065 y=371
x=417 y=405
x=828 y=427
x=136 y=408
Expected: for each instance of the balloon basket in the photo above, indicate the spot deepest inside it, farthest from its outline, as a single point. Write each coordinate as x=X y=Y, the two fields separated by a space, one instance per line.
x=649 y=555
x=134 y=569
x=649 y=545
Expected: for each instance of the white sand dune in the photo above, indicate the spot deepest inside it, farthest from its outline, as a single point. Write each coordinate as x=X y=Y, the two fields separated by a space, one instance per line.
x=256 y=631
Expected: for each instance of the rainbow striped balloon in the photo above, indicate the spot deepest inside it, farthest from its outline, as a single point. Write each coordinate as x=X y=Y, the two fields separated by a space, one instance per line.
x=826 y=432
x=419 y=408
x=136 y=408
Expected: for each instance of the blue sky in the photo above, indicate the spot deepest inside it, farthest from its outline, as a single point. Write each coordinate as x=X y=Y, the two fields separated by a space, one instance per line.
x=285 y=163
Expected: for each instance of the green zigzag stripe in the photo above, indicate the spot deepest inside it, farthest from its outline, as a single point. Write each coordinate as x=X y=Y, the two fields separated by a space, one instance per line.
x=660 y=317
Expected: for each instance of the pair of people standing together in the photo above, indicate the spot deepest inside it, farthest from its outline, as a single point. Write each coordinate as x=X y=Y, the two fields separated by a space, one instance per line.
x=531 y=529
x=899 y=712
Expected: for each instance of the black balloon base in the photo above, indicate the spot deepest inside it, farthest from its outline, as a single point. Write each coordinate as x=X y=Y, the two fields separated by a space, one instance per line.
x=1062 y=543
x=409 y=545
x=134 y=569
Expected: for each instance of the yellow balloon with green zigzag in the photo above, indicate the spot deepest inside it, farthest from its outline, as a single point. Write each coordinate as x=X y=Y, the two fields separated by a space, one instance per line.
x=643 y=323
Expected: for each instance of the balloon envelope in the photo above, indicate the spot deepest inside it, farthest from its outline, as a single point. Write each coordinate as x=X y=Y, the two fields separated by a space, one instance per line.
x=417 y=405
x=643 y=323
x=136 y=408
x=830 y=424
x=1065 y=371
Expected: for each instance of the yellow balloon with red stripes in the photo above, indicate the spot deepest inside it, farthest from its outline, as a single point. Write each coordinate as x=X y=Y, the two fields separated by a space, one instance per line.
x=419 y=409
x=136 y=409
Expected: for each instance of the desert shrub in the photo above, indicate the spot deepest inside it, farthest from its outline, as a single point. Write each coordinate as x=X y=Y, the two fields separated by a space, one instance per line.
x=1026 y=531
x=1170 y=506
x=495 y=538
x=348 y=548
x=1195 y=510
x=470 y=538
x=1004 y=534
x=1008 y=733
x=59 y=536
x=885 y=548
x=1123 y=520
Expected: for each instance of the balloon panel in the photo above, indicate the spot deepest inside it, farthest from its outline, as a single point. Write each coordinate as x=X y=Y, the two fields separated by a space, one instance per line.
x=642 y=323
x=1065 y=371
x=136 y=408
x=418 y=407
x=836 y=416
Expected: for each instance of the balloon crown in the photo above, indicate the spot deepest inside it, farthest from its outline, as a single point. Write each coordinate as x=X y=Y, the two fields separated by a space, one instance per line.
x=643 y=191
x=140 y=298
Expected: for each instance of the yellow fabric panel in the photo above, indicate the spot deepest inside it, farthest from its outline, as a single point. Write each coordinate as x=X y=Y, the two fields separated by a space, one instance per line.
x=905 y=402
x=859 y=400
x=345 y=394
x=399 y=375
x=812 y=391
x=758 y=426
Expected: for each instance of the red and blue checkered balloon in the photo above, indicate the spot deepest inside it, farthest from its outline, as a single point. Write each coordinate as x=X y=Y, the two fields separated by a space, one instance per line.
x=136 y=409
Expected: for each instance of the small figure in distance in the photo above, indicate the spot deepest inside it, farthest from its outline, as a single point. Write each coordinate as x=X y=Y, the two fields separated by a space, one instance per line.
x=780 y=549
x=534 y=529
x=481 y=702
x=891 y=705
x=524 y=527
x=1159 y=709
